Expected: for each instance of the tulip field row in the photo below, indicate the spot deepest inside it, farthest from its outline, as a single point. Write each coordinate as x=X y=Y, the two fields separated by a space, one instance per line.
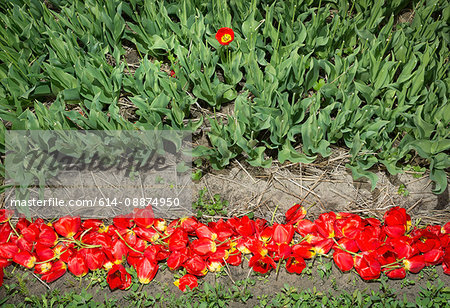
x=371 y=247
x=299 y=76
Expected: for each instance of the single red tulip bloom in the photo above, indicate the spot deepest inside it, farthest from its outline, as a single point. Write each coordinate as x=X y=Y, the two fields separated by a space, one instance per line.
x=325 y=224
x=149 y=234
x=323 y=247
x=94 y=257
x=178 y=240
x=176 y=259
x=47 y=236
x=262 y=264
x=295 y=213
x=282 y=234
x=77 y=265
x=304 y=250
x=8 y=250
x=23 y=244
x=57 y=269
x=144 y=218
x=146 y=270
x=24 y=258
x=67 y=226
x=186 y=281
x=305 y=227
x=397 y=273
x=225 y=35
x=368 y=266
x=202 y=231
x=414 y=264
x=203 y=246
x=119 y=251
x=343 y=260
x=44 y=253
x=189 y=224
x=295 y=264
x=196 y=266
x=31 y=233
x=118 y=277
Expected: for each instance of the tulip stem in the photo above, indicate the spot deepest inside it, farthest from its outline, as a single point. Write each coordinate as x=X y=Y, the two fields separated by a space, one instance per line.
x=12 y=227
x=82 y=234
x=342 y=248
x=393 y=263
x=125 y=242
x=273 y=214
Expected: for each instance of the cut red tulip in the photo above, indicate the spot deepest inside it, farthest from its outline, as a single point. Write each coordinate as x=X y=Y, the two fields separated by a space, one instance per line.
x=414 y=264
x=146 y=270
x=203 y=246
x=294 y=214
x=57 y=270
x=67 y=226
x=25 y=259
x=295 y=264
x=77 y=265
x=343 y=260
x=118 y=277
x=282 y=234
x=325 y=224
x=186 y=281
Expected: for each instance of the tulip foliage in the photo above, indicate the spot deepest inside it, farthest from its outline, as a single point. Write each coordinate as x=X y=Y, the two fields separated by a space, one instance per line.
x=367 y=245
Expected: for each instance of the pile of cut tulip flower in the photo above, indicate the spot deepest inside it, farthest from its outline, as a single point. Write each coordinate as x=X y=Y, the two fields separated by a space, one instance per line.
x=368 y=245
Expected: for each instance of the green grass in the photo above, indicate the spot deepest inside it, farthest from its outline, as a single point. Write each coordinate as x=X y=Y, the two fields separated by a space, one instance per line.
x=433 y=295
x=301 y=75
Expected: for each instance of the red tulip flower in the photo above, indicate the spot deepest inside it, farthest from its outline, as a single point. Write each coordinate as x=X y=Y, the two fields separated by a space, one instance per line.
x=235 y=258
x=144 y=218
x=202 y=231
x=57 y=269
x=146 y=270
x=295 y=213
x=414 y=264
x=397 y=273
x=295 y=264
x=325 y=224
x=305 y=227
x=178 y=240
x=368 y=266
x=77 y=265
x=225 y=35
x=25 y=259
x=8 y=250
x=118 y=277
x=196 y=266
x=282 y=234
x=94 y=257
x=186 y=281
x=343 y=260
x=176 y=259
x=47 y=236
x=262 y=264
x=203 y=246
x=67 y=226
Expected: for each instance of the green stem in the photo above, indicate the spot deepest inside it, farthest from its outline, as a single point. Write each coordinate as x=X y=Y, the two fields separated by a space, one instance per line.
x=127 y=243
